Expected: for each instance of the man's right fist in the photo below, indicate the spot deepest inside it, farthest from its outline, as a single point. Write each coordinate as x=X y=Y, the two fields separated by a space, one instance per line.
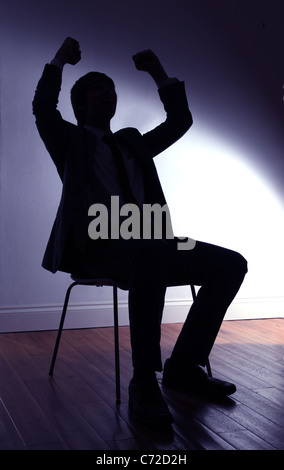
x=69 y=52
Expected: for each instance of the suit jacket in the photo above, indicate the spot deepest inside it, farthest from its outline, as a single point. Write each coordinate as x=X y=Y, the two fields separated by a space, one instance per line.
x=71 y=148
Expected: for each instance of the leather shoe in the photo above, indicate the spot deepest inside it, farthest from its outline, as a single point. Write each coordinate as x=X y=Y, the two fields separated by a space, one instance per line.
x=147 y=404
x=194 y=380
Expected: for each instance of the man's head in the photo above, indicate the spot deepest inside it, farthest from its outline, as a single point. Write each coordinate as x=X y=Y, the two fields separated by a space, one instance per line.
x=94 y=99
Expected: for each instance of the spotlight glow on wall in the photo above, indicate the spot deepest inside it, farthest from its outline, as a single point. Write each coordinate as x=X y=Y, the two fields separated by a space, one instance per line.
x=216 y=196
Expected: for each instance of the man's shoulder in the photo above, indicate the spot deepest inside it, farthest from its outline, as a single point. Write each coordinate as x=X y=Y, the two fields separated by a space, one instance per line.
x=128 y=131
x=133 y=139
x=130 y=134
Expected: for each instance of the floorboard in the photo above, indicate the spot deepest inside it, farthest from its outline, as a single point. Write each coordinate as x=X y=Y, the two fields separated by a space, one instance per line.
x=76 y=409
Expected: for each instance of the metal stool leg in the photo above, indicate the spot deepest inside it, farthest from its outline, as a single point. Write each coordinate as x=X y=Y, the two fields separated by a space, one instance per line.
x=116 y=344
x=61 y=327
x=208 y=367
x=193 y=292
x=116 y=337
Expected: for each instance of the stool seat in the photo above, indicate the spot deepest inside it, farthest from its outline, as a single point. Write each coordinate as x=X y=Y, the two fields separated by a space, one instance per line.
x=99 y=282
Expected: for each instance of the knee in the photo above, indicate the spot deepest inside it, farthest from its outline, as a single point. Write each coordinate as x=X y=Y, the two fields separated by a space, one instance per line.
x=239 y=265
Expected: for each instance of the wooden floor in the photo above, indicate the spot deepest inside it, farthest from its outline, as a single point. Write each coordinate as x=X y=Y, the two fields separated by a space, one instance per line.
x=76 y=408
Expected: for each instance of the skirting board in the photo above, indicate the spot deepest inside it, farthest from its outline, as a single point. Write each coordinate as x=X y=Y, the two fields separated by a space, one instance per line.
x=17 y=319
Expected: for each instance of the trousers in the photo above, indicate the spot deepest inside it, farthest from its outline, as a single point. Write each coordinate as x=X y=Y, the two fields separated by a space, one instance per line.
x=149 y=267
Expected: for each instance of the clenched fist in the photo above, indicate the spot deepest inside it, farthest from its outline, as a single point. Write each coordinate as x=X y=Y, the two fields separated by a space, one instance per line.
x=69 y=52
x=147 y=61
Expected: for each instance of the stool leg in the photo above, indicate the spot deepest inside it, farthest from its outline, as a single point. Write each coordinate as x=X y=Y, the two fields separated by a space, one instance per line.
x=61 y=327
x=116 y=344
x=208 y=367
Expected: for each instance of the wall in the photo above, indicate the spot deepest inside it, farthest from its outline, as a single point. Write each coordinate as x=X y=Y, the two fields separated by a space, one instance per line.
x=227 y=170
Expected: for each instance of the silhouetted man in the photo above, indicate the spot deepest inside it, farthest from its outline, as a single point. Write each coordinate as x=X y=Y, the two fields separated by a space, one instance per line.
x=94 y=165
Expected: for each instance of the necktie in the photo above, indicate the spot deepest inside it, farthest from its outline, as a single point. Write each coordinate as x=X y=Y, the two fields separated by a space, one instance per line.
x=127 y=193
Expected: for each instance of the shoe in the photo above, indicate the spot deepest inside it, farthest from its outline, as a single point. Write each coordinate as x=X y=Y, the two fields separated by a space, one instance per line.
x=195 y=381
x=147 y=405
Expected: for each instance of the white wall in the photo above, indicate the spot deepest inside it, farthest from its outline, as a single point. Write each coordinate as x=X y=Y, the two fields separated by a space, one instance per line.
x=228 y=169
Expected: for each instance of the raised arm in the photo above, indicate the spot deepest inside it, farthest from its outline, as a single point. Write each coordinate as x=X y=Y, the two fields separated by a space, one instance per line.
x=51 y=126
x=173 y=97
